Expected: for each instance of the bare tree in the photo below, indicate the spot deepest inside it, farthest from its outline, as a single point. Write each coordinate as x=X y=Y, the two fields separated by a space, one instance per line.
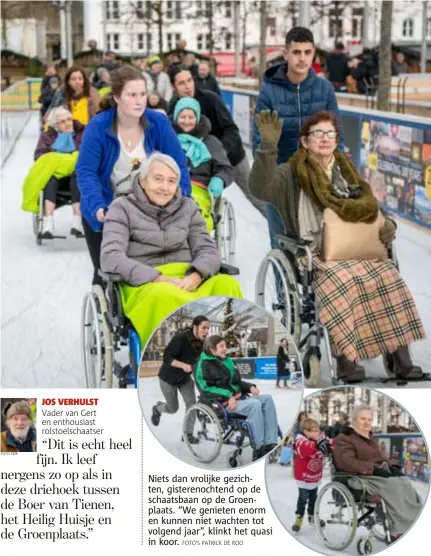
x=385 y=56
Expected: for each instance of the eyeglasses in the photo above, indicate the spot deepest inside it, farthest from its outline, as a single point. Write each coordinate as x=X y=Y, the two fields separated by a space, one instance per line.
x=319 y=134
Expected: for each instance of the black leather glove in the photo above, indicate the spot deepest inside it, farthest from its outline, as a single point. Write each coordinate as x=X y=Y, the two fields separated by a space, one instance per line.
x=324 y=446
x=382 y=470
x=396 y=471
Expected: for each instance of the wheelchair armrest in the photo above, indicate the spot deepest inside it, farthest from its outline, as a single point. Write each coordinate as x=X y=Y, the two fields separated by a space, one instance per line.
x=109 y=277
x=229 y=269
x=292 y=243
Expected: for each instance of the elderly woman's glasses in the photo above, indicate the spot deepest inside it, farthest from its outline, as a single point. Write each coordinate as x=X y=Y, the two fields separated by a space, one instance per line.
x=319 y=134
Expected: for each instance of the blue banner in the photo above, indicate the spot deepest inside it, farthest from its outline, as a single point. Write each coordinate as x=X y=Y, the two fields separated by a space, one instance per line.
x=266 y=367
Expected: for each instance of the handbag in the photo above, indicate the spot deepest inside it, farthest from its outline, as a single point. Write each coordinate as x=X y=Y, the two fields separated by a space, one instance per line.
x=344 y=241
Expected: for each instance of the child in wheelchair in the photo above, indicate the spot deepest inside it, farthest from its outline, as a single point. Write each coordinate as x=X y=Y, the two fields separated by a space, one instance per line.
x=218 y=379
x=310 y=449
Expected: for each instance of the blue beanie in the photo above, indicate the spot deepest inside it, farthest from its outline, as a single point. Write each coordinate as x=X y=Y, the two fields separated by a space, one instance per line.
x=191 y=104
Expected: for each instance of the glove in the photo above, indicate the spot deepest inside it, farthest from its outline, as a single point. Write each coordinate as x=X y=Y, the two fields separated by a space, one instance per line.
x=382 y=470
x=270 y=126
x=215 y=187
x=396 y=471
x=387 y=232
x=324 y=446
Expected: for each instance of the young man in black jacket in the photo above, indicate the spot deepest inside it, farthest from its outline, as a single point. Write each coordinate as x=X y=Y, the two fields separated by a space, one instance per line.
x=205 y=80
x=222 y=126
x=175 y=374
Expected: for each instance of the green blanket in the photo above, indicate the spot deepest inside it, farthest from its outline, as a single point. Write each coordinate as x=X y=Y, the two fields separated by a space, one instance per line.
x=58 y=165
x=148 y=305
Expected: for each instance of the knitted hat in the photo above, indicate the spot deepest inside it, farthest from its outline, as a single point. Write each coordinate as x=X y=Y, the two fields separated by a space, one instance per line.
x=190 y=104
x=17 y=408
x=154 y=60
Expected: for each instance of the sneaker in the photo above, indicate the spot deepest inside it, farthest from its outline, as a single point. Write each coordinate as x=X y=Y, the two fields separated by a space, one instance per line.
x=155 y=416
x=298 y=524
x=48 y=227
x=77 y=229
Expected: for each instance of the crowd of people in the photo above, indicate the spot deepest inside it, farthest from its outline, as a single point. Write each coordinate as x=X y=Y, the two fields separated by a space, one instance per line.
x=353 y=450
x=101 y=146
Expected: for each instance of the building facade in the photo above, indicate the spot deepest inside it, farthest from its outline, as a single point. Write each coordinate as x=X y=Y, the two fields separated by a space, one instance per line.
x=135 y=27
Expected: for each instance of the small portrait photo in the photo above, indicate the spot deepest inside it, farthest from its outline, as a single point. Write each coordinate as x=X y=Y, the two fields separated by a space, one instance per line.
x=220 y=383
x=18 y=424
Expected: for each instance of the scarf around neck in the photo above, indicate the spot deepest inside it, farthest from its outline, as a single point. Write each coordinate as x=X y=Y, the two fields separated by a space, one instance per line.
x=194 y=148
x=361 y=206
x=64 y=143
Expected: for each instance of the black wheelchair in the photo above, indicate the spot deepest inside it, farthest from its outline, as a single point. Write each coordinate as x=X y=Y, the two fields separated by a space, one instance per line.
x=342 y=506
x=284 y=286
x=210 y=423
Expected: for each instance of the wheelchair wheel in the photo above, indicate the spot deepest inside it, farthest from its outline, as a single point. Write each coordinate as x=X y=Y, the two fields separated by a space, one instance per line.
x=226 y=232
x=336 y=516
x=202 y=422
x=37 y=220
x=388 y=364
x=277 y=291
x=235 y=460
x=312 y=370
x=96 y=343
x=366 y=545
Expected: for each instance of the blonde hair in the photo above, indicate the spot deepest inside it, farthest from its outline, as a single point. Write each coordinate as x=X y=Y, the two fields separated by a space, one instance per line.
x=56 y=113
x=309 y=424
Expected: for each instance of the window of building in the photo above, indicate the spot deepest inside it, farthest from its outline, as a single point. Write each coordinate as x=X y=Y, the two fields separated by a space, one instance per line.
x=203 y=8
x=149 y=43
x=228 y=9
x=408 y=28
x=228 y=41
x=113 y=10
x=113 y=40
x=173 y=10
x=148 y=9
x=429 y=27
x=203 y=41
x=357 y=23
x=172 y=39
x=178 y=10
x=139 y=10
x=335 y=23
x=141 y=41
x=271 y=23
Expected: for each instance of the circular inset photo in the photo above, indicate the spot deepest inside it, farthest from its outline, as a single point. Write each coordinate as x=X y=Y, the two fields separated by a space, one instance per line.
x=352 y=475
x=220 y=383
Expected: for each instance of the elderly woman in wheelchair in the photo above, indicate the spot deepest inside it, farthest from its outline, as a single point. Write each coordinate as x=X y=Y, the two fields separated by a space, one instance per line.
x=378 y=486
x=218 y=380
x=53 y=172
x=156 y=244
x=209 y=167
x=331 y=213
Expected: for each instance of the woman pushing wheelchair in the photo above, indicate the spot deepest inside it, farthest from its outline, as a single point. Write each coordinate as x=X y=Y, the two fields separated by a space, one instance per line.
x=363 y=302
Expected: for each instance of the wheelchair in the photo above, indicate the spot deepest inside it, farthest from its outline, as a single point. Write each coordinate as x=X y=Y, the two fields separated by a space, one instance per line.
x=285 y=288
x=339 y=506
x=63 y=199
x=210 y=422
x=105 y=331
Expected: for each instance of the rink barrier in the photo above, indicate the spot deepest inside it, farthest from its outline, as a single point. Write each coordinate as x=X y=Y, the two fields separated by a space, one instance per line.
x=17 y=103
x=391 y=151
x=409 y=450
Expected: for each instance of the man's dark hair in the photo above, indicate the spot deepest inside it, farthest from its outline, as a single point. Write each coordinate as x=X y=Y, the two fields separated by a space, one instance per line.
x=339 y=45
x=299 y=34
x=175 y=70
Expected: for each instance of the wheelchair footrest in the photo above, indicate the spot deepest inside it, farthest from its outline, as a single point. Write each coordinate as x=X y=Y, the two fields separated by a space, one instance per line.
x=229 y=269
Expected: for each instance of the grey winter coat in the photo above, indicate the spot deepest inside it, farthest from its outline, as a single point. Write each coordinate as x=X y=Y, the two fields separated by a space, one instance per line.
x=161 y=84
x=138 y=236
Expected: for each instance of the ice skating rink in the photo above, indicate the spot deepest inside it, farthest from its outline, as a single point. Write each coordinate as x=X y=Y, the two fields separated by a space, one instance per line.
x=283 y=492
x=43 y=286
x=169 y=431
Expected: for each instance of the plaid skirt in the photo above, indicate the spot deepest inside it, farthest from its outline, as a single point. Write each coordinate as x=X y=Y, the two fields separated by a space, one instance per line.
x=366 y=307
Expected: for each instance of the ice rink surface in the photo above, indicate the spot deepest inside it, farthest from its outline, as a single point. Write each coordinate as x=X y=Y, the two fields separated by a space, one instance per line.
x=169 y=431
x=283 y=491
x=43 y=287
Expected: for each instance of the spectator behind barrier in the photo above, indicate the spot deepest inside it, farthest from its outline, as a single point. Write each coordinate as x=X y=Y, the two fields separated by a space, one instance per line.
x=156 y=102
x=56 y=155
x=320 y=177
x=217 y=378
x=357 y=452
x=157 y=79
x=296 y=93
x=204 y=79
x=103 y=84
x=77 y=95
x=222 y=126
x=115 y=143
x=337 y=64
x=156 y=240
x=210 y=169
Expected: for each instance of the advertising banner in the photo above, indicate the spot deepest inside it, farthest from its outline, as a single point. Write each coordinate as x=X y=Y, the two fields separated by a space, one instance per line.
x=246 y=367
x=266 y=367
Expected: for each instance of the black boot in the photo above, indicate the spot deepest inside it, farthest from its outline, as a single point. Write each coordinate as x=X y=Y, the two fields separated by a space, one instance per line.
x=268 y=448
x=155 y=416
x=349 y=371
x=258 y=453
x=404 y=366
